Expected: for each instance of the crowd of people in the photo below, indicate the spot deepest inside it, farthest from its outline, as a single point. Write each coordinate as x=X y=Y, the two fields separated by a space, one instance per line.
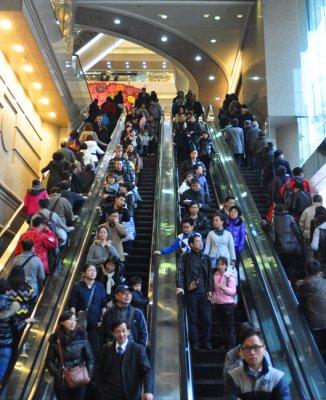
x=110 y=311
x=101 y=338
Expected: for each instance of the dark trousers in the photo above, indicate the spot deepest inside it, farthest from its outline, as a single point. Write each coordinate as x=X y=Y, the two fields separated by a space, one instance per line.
x=92 y=334
x=225 y=317
x=206 y=159
x=71 y=394
x=238 y=158
x=199 y=313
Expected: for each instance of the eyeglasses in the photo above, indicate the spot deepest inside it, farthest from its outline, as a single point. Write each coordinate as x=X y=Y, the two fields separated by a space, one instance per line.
x=249 y=349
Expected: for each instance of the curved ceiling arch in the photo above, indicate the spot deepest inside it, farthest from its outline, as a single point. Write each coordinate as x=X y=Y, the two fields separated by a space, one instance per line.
x=168 y=28
x=149 y=35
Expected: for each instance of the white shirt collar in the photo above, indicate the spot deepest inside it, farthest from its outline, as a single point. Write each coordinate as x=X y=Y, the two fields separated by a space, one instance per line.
x=123 y=345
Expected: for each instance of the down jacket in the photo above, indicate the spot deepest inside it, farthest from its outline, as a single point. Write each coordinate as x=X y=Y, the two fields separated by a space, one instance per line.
x=286 y=234
x=32 y=198
x=238 y=231
x=8 y=326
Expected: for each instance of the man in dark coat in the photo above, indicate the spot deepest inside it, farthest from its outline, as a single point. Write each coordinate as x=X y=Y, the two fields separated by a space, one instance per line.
x=124 y=367
x=193 y=195
x=143 y=98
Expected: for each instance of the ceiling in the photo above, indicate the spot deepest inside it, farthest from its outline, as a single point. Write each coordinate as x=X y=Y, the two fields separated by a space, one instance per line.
x=189 y=33
x=37 y=83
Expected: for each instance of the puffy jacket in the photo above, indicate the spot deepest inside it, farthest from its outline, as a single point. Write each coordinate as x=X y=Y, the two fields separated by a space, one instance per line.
x=76 y=351
x=206 y=147
x=287 y=237
x=189 y=166
x=138 y=327
x=8 y=325
x=224 y=296
x=270 y=384
x=238 y=231
x=194 y=197
x=32 y=198
x=43 y=241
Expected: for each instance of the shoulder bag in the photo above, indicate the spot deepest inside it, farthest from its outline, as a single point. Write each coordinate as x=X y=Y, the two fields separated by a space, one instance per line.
x=74 y=377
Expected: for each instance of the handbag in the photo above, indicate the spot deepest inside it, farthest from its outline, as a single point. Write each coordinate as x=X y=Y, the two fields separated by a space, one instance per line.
x=74 y=377
x=82 y=314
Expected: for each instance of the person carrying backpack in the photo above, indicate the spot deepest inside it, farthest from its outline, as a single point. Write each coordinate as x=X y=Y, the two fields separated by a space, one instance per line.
x=299 y=201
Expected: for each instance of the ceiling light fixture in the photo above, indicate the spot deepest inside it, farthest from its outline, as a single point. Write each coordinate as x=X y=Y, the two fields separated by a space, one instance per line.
x=18 y=48
x=206 y=15
x=52 y=114
x=198 y=58
x=255 y=78
x=164 y=66
x=211 y=77
x=213 y=40
x=28 y=68
x=89 y=44
x=103 y=54
x=164 y=39
x=145 y=66
x=163 y=16
x=57 y=22
x=117 y=21
x=44 y=100
x=217 y=98
x=217 y=17
x=5 y=24
x=239 y=16
x=127 y=66
x=37 y=85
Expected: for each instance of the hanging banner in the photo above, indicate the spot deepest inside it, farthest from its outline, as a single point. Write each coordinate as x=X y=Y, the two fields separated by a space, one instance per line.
x=102 y=90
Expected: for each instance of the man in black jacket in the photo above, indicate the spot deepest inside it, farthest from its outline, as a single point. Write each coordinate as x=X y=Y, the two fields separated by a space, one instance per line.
x=201 y=223
x=124 y=368
x=194 y=279
x=190 y=164
x=193 y=195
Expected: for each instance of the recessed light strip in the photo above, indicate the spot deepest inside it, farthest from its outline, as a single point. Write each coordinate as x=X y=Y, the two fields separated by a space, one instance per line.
x=89 y=44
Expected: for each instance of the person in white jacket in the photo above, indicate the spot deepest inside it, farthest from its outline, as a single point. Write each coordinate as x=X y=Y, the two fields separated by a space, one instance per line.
x=87 y=156
x=219 y=242
x=93 y=148
x=185 y=185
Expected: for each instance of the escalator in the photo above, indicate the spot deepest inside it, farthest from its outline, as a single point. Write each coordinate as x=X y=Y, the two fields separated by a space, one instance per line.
x=138 y=259
x=257 y=190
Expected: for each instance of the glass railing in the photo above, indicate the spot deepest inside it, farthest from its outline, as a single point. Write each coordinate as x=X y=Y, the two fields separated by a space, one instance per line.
x=289 y=343
x=27 y=372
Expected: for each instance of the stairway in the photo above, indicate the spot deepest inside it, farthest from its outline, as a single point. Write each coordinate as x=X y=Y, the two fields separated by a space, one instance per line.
x=258 y=192
x=138 y=259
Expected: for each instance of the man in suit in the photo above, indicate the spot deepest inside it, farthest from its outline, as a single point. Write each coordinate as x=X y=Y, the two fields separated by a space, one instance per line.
x=124 y=368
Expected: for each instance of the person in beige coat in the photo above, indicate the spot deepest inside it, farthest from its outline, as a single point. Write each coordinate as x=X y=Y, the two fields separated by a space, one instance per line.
x=305 y=221
x=117 y=232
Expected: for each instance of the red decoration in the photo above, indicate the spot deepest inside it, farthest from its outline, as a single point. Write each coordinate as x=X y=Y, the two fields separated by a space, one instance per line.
x=101 y=90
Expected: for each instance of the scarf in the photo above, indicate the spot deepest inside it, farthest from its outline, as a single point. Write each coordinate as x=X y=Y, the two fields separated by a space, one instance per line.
x=219 y=232
x=110 y=283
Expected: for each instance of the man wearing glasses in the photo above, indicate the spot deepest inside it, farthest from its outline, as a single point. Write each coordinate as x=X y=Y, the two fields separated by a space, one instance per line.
x=255 y=379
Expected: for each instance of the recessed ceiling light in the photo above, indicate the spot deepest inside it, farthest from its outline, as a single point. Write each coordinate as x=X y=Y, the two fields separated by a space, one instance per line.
x=57 y=22
x=18 y=47
x=239 y=15
x=127 y=62
x=217 y=98
x=44 y=100
x=213 y=40
x=255 y=78
x=163 y=16
x=127 y=66
x=211 y=77
x=37 y=85
x=164 y=39
x=117 y=21
x=144 y=66
x=28 y=68
x=163 y=66
x=206 y=15
x=52 y=114
x=217 y=17
x=198 y=58
x=5 y=24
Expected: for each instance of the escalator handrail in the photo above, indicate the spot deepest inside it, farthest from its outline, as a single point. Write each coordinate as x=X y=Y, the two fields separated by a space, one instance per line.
x=83 y=226
x=282 y=325
x=186 y=378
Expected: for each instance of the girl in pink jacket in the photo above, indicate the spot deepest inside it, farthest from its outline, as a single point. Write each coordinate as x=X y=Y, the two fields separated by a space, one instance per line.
x=223 y=298
x=32 y=198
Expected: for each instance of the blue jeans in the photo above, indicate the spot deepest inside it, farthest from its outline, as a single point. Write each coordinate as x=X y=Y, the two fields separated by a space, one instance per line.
x=5 y=357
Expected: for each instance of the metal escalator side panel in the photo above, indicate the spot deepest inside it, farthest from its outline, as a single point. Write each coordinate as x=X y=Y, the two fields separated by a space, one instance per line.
x=164 y=331
x=28 y=369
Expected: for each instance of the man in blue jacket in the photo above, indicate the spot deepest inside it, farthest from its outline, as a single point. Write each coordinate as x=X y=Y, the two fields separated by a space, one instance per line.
x=255 y=379
x=122 y=309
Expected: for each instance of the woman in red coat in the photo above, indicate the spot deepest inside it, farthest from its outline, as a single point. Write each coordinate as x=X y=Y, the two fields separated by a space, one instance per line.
x=32 y=197
x=43 y=238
